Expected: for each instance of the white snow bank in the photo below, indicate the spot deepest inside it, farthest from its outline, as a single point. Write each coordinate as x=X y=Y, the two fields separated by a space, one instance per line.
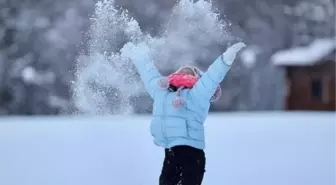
x=242 y=149
x=308 y=55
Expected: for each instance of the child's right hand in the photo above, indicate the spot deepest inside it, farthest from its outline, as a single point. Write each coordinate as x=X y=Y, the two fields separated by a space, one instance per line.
x=135 y=51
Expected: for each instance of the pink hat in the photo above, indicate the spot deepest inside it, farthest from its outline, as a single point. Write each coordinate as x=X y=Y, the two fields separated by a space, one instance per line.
x=199 y=73
x=178 y=102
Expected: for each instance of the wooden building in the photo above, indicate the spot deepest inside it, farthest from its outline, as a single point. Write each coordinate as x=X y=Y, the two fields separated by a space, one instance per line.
x=310 y=76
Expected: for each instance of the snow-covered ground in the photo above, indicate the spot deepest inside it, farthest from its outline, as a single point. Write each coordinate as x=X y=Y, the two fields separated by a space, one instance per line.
x=242 y=149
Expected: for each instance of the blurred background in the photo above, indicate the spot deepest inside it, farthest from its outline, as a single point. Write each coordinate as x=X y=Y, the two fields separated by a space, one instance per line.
x=289 y=63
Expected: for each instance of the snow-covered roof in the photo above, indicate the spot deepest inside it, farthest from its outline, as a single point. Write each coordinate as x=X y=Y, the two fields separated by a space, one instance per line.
x=305 y=56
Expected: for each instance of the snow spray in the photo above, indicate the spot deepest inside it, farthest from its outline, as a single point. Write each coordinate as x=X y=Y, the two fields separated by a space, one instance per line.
x=106 y=82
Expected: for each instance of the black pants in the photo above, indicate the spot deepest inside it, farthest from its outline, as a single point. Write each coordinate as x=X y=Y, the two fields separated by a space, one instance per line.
x=183 y=165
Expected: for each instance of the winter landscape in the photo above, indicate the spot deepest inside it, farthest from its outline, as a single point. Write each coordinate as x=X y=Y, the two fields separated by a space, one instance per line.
x=73 y=110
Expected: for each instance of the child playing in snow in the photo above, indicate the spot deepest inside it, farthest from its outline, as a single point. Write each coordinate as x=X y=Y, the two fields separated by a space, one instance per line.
x=181 y=105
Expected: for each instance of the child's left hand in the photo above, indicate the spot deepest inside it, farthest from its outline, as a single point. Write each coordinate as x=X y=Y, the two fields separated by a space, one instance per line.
x=230 y=54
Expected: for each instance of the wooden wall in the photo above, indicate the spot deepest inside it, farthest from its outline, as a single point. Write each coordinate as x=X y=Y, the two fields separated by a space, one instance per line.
x=311 y=87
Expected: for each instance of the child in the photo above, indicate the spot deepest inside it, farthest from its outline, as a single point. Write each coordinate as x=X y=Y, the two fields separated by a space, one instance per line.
x=181 y=105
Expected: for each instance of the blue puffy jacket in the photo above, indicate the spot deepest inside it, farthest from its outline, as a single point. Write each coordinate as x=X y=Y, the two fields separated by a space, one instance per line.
x=172 y=126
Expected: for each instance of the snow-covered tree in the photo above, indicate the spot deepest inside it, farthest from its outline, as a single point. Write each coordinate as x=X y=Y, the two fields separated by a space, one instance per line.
x=38 y=44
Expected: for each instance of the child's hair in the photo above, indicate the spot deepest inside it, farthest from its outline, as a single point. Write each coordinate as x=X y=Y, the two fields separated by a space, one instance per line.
x=192 y=69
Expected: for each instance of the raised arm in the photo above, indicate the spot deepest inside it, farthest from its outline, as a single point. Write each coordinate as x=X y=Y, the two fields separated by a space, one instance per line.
x=206 y=86
x=149 y=74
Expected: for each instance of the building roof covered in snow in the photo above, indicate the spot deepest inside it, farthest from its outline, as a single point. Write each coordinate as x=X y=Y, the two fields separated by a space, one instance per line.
x=317 y=51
